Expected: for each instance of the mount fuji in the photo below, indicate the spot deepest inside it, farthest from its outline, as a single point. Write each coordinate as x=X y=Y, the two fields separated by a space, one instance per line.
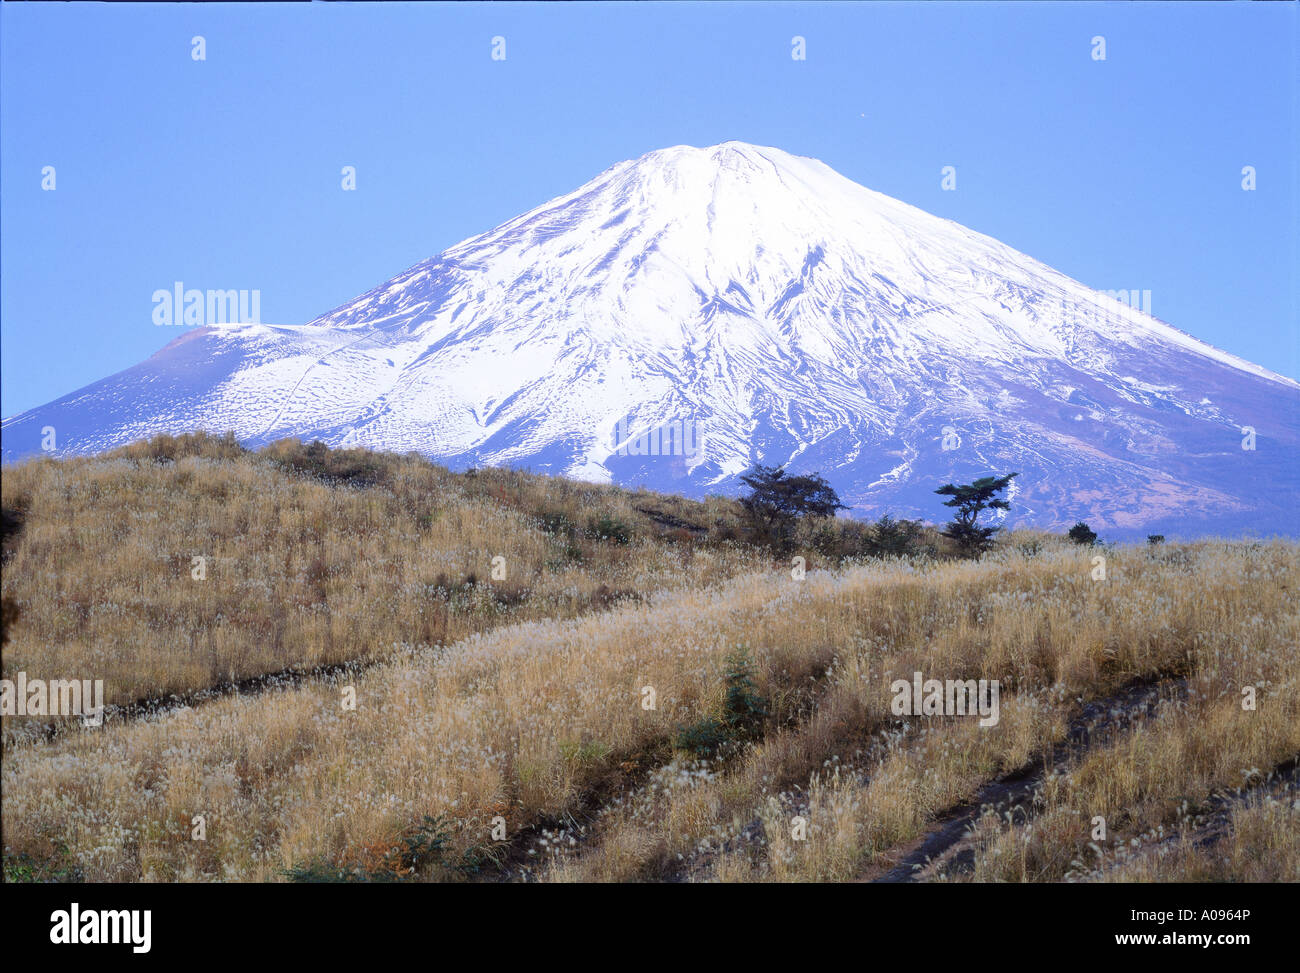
x=783 y=313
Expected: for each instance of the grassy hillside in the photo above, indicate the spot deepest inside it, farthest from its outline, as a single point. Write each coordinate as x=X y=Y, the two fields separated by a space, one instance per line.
x=315 y=557
x=646 y=696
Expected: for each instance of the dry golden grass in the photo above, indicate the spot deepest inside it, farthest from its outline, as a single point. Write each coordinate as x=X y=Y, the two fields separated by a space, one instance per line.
x=538 y=721
x=302 y=574
x=1155 y=778
x=1261 y=844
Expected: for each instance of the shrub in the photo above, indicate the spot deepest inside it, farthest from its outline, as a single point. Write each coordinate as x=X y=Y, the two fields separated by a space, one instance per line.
x=896 y=538
x=421 y=846
x=23 y=867
x=317 y=870
x=425 y=844
x=11 y=524
x=725 y=534
x=607 y=528
x=557 y=522
x=603 y=596
x=165 y=448
x=828 y=541
x=744 y=710
x=510 y=594
x=743 y=714
x=843 y=538
x=680 y=536
x=703 y=738
x=579 y=754
x=354 y=467
x=1081 y=533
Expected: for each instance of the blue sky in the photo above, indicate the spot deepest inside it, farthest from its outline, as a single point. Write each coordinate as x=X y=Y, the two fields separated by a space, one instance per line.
x=225 y=173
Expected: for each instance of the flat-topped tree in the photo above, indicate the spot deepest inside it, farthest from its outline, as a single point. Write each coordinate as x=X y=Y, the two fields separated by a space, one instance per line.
x=777 y=501
x=972 y=499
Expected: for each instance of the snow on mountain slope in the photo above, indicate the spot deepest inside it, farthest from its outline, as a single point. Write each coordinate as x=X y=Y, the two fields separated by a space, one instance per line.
x=786 y=314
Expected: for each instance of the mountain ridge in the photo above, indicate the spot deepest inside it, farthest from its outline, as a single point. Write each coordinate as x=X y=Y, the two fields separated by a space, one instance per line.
x=789 y=314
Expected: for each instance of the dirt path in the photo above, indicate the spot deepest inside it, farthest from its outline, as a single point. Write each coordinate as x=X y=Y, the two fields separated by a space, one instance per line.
x=1213 y=820
x=947 y=844
x=157 y=707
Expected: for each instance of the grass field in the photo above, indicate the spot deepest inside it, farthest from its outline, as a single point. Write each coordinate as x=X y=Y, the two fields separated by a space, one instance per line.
x=348 y=693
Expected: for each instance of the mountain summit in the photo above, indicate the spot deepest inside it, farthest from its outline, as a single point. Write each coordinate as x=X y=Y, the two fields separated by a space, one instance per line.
x=694 y=311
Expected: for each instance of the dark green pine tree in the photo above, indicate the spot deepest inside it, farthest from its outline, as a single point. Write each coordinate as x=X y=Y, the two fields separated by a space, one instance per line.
x=972 y=499
x=1081 y=533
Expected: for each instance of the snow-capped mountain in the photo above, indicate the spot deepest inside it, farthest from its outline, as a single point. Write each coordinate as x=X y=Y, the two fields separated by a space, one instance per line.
x=773 y=311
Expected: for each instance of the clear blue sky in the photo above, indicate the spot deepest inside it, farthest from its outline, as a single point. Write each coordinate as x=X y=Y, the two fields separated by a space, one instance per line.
x=225 y=173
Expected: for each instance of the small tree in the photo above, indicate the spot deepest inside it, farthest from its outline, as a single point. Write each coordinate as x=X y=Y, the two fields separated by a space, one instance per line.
x=1154 y=539
x=1081 y=533
x=971 y=499
x=743 y=713
x=776 y=502
x=895 y=538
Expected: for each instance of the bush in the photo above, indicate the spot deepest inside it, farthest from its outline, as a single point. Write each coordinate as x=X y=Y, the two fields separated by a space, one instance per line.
x=557 y=522
x=842 y=538
x=424 y=845
x=1081 y=533
x=744 y=710
x=896 y=538
x=23 y=867
x=11 y=524
x=743 y=714
x=354 y=467
x=704 y=738
x=165 y=448
x=1154 y=539
x=604 y=596
x=725 y=534
x=609 y=529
